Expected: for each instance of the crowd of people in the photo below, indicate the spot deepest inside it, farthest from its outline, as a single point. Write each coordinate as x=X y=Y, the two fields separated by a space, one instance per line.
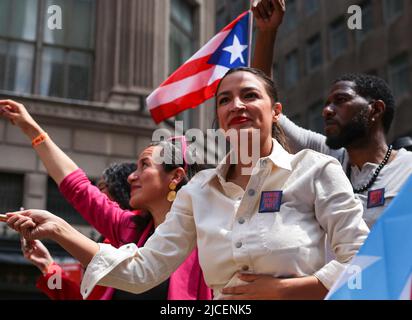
x=174 y=230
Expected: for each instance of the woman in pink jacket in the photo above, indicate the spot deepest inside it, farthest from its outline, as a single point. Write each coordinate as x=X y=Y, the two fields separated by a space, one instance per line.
x=114 y=185
x=153 y=188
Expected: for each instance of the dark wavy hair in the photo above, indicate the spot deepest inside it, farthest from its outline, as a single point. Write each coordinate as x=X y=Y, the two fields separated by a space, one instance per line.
x=115 y=177
x=271 y=90
x=372 y=87
x=173 y=155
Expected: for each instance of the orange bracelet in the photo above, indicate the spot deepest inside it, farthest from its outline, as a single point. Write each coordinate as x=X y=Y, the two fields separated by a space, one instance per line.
x=39 y=139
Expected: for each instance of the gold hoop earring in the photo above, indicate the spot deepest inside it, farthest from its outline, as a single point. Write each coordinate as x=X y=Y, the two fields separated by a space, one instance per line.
x=171 y=196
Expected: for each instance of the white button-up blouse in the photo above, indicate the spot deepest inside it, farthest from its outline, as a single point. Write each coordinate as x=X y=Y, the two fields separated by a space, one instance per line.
x=277 y=226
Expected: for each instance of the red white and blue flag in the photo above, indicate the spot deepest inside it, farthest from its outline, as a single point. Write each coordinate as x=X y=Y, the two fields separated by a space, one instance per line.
x=196 y=80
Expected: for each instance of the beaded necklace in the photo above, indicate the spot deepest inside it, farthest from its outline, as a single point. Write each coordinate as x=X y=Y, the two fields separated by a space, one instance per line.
x=375 y=174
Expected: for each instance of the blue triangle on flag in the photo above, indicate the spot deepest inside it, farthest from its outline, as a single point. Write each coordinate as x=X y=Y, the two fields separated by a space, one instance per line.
x=223 y=57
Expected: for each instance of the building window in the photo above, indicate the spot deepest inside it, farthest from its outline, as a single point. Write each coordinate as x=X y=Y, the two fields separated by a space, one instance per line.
x=17 y=277
x=311 y=7
x=182 y=44
x=315 y=119
x=291 y=16
x=227 y=11
x=367 y=20
x=65 y=65
x=392 y=9
x=17 y=44
x=11 y=191
x=181 y=33
x=314 y=53
x=291 y=69
x=338 y=38
x=58 y=205
x=399 y=75
x=222 y=16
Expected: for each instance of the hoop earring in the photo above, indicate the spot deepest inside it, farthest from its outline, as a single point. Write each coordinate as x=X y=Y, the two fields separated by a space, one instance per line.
x=171 y=196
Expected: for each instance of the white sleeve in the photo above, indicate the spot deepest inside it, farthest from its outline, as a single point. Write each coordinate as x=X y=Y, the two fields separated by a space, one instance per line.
x=340 y=215
x=299 y=138
x=137 y=270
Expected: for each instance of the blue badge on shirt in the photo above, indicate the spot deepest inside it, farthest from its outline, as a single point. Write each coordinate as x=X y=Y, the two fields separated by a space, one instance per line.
x=376 y=198
x=270 y=201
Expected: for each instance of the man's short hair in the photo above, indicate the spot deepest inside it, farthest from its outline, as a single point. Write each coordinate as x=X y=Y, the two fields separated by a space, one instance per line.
x=372 y=87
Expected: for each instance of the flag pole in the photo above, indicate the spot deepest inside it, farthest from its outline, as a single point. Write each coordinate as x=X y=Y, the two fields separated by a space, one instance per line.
x=250 y=34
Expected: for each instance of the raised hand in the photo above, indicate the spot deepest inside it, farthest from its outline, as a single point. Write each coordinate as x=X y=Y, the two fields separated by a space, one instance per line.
x=36 y=253
x=39 y=224
x=17 y=114
x=35 y=224
x=269 y=14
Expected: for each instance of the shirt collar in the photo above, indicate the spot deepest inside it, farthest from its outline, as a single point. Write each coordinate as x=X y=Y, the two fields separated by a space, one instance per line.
x=279 y=157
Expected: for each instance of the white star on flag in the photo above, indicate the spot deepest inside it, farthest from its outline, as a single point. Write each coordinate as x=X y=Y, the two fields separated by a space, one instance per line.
x=236 y=50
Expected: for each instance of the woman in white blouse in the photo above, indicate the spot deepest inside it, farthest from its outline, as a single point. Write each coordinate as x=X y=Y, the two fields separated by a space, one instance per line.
x=260 y=236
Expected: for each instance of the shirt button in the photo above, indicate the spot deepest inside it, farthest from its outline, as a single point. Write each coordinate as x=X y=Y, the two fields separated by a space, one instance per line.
x=245 y=268
x=251 y=192
x=264 y=163
x=241 y=220
x=238 y=245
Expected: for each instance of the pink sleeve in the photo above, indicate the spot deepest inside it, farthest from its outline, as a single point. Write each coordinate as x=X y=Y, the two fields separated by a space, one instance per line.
x=97 y=209
x=187 y=282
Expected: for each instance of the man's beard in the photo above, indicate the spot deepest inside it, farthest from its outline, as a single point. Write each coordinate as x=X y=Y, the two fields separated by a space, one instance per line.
x=351 y=133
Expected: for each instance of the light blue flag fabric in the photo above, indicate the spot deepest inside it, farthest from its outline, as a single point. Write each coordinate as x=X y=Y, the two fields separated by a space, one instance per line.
x=382 y=269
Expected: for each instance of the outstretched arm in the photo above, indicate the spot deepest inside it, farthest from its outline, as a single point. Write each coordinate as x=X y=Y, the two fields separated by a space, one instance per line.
x=268 y=16
x=299 y=138
x=57 y=163
x=103 y=214
x=128 y=268
x=40 y=224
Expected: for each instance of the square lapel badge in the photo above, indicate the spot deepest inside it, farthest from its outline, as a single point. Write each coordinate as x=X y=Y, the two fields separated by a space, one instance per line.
x=376 y=198
x=270 y=201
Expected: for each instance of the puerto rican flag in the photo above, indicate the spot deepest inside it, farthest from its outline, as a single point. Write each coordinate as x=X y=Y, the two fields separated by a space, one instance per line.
x=196 y=80
x=382 y=269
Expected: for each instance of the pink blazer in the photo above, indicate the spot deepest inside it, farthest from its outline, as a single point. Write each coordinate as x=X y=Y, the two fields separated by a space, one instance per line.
x=118 y=227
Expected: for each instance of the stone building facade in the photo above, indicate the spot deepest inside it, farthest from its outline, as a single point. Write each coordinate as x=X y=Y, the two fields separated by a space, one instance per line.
x=86 y=84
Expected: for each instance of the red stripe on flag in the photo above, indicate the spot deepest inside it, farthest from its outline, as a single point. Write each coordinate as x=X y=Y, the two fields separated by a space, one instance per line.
x=192 y=67
x=191 y=100
x=189 y=69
